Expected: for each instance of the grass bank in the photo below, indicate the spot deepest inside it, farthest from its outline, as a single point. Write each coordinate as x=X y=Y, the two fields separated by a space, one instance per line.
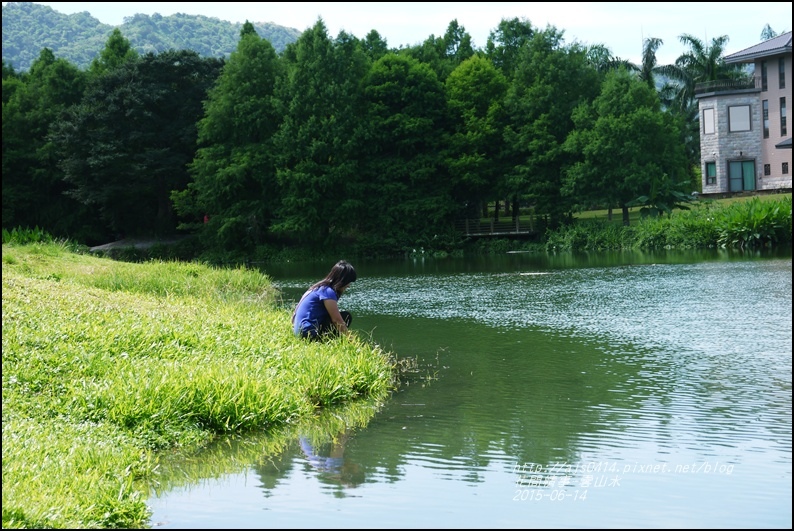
x=107 y=364
x=749 y=222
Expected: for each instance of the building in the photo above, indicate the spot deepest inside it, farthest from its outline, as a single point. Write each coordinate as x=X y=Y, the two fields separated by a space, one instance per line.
x=745 y=141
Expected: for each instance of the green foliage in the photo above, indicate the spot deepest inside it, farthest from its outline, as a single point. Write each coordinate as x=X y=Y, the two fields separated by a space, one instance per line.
x=28 y=27
x=702 y=61
x=505 y=42
x=233 y=172
x=116 y=52
x=106 y=363
x=540 y=120
x=33 y=185
x=630 y=150
x=752 y=223
x=337 y=142
x=127 y=145
x=319 y=144
x=589 y=235
x=663 y=198
x=755 y=223
x=404 y=187
x=443 y=54
x=475 y=93
x=691 y=229
x=21 y=236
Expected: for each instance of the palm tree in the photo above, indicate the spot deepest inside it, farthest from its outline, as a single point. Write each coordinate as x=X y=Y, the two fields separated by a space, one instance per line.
x=701 y=63
x=768 y=33
x=600 y=57
x=649 y=67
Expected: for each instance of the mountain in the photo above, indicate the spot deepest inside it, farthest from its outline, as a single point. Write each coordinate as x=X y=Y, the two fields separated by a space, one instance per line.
x=29 y=27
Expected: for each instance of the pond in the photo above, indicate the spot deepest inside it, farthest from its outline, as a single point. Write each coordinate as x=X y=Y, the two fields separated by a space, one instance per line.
x=608 y=390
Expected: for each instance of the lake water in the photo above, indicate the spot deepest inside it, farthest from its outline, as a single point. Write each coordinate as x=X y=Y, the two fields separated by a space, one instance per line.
x=608 y=390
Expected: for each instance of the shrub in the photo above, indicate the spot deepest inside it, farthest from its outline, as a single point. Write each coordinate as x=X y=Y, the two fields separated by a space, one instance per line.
x=21 y=236
x=755 y=223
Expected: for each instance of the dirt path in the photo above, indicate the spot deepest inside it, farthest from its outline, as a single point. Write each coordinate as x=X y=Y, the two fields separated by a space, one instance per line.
x=137 y=243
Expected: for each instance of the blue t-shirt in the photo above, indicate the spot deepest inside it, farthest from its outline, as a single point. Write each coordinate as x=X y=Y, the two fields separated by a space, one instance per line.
x=311 y=314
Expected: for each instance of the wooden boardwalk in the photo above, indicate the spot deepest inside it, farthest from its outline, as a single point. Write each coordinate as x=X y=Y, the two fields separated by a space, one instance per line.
x=477 y=228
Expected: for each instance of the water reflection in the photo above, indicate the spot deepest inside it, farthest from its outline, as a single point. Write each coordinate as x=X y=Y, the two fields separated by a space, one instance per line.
x=328 y=459
x=659 y=391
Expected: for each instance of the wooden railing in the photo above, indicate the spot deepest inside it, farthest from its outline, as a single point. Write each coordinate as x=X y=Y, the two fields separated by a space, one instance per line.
x=508 y=227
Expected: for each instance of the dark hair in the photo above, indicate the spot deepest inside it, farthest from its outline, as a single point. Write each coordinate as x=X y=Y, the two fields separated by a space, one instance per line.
x=340 y=276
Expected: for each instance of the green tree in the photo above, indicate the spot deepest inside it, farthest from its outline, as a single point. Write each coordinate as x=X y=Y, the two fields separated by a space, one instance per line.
x=629 y=148
x=475 y=93
x=234 y=171
x=117 y=51
x=649 y=66
x=127 y=145
x=375 y=45
x=443 y=54
x=33 y=185
x=701 y=62
x=318 y=142
x=408 y=193
x=550 y=81
x=8 y=72
x=600 y=57
x=457 y=43
x=505 y=42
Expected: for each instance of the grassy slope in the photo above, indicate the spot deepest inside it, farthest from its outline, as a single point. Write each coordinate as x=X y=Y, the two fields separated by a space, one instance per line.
x=107 y=363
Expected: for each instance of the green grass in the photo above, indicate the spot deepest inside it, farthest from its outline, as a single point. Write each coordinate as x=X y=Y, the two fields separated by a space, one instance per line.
x=741 y=222
x=750 y=223
x=106 y=364
x=634 y=212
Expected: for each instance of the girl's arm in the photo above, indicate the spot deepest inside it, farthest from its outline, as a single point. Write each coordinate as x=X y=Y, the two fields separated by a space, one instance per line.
x=336 y=318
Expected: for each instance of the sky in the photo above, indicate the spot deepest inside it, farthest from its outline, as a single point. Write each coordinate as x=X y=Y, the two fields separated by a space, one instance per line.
x=621 y=26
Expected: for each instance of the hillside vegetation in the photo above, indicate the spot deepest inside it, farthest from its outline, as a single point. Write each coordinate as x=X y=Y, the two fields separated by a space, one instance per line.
x=78 y=38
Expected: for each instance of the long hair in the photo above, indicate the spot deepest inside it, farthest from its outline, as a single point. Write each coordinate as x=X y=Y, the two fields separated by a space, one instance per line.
x=340 y=276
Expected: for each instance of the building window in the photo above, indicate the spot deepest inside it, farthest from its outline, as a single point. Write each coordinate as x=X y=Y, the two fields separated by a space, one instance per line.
x=783 y=128
x=765 y=105
x=785 y=168
x=782 y=67
x=711 y=173
x=708 y=121
x=767 y=169
x=764 y=85
x=739 y=118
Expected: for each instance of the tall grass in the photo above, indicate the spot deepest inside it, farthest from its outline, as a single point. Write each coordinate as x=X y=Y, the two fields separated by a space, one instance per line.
x=107 y=363
x=752 y=223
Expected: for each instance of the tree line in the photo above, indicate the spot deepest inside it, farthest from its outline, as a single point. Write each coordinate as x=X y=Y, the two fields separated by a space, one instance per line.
x=347 y=140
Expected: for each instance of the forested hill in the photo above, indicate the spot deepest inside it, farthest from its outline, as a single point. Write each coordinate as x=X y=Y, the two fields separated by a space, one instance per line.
x=29 y=27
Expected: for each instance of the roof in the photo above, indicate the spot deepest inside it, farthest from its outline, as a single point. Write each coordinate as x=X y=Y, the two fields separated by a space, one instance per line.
x=774 y=46
x=786 y=144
